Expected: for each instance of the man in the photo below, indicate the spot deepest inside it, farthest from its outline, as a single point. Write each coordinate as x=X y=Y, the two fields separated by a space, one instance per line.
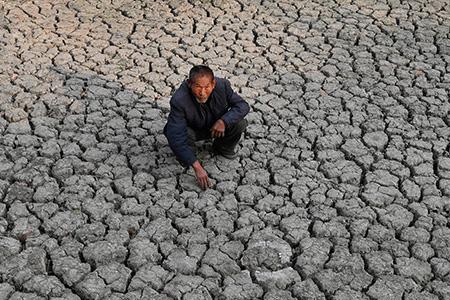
x=204 y=107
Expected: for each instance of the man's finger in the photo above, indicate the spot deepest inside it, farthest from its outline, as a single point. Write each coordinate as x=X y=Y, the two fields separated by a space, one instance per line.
x=201 y=184
x=215 y=133
x=205 y=183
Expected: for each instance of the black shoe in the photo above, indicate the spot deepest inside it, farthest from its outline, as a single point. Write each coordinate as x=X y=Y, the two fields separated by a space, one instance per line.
x=230 y=154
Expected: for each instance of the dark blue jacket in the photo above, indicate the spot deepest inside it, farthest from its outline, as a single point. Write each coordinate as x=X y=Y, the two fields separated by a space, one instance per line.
x=185 y=111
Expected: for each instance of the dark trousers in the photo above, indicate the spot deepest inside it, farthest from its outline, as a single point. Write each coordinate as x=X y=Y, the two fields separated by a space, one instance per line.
x=226 y=143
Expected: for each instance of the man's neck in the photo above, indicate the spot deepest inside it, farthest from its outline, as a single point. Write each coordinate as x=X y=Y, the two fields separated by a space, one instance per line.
x=199 y=102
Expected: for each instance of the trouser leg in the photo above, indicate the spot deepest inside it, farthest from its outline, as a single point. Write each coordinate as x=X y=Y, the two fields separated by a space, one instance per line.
x=192 y=137
x=196 y=135
x=232 y=136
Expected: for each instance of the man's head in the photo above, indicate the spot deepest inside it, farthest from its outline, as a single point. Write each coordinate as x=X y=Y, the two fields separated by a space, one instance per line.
x=201 y=82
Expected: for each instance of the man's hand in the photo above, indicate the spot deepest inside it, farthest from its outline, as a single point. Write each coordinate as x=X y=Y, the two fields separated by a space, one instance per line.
x=218 y=129
x=202 y=176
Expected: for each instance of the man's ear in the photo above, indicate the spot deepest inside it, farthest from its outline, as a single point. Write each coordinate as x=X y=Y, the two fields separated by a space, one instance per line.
x=214 y=82
x=189 y=82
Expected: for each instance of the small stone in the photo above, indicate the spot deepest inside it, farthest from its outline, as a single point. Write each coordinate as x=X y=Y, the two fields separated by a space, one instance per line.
x=178 y=261
x=62 y=58
x=45 y=286
x=441 y=242
x=15 y=114
x=278 y=279
x=64 y=223
x=45 y=132
x=307 y=290
x=278 y=295
x=421 y=296
x=216 y=258
x=150 y=275
x=26 y=296
x=441 y=267
x=376 y=139
x=266 y=252
x=413 y=234
x=349 y=294
x=329 y=280
x=182 y=284
x=20 y=127
x=94 y=155
x=142 y=251
x=92 y=288
x=419 y=270
x=390 y=287
x=396 y=217
x=77 y=107
x=90 y=233
x=103 y=252
x=315 y=76
x=159 y=230
x=422 y=251
x=115 y=275
x=314 y=254
x=379 y=263
x=70 y=270
x=46 y=192
x=220 y=221
x=6 y=290
x=241 y=287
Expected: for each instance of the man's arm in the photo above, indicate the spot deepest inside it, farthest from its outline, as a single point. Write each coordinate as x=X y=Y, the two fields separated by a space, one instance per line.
x=201 y=175
x=176 y=133
x=239 y=108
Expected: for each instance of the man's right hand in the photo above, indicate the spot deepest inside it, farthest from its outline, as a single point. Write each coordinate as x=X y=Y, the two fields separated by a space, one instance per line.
x=201 y=174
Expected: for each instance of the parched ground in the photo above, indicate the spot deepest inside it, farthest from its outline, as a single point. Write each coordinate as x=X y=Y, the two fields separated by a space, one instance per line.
x=341 y=190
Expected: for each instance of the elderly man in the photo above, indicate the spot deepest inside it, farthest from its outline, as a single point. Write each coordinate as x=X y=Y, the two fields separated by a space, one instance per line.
x=204 y=107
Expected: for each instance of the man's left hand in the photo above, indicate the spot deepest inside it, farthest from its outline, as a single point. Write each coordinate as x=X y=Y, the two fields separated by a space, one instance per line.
x=218 y=129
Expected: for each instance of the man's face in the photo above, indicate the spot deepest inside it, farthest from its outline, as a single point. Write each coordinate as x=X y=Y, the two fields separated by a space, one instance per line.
x=202 y=87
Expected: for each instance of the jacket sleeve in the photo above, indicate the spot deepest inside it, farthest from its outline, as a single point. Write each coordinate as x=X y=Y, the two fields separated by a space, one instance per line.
x=239 y=108
x=176 y=133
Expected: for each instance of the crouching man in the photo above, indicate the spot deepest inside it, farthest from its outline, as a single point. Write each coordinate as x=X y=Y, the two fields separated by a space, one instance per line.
x=205 y=107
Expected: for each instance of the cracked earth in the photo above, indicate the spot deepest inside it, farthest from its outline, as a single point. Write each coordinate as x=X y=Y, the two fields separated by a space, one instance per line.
x=341 y=190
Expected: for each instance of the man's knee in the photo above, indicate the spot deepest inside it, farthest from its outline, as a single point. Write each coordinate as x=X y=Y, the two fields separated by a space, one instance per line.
x=191 y=133
x=191 y=136
x=241 y=125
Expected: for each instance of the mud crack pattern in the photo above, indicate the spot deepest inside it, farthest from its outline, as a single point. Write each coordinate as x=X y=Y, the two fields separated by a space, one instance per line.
x=341 y=190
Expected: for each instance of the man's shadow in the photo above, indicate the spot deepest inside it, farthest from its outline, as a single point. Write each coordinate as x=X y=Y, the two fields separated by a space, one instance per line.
x=114 y=115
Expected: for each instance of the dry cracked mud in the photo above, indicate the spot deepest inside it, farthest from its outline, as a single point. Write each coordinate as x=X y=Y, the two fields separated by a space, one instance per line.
x=341 y=190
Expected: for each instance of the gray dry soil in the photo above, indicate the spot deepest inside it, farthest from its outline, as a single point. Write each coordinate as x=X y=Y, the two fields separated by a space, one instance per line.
x=341 y=190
